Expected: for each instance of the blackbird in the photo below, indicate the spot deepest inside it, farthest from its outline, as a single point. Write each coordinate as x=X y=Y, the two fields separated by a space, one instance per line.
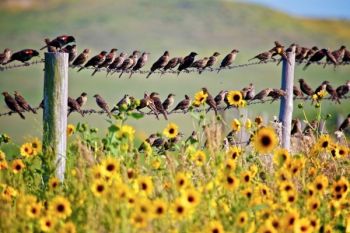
x=160 y=63
x=169 y=101
x=95 y=61
x=158 y=104
x=338 y=56
x=149 y=140
x=187 y=62
x=183 y=104
x=305 y=88
x=317 y=56
x=102 y=104
x=58 y=42
x=141 y=62
x=346 y=57
x=109 y=60
x=5 y=56
x=342 y=90
x=211 y=61
x=72 y=52
x=23 y=55
x=23 y=103
x=12 y=104
x=210 y=100
x=82 y=99
x=229 y=59
x=82 y=58
x=345 y=124
x=74 y=106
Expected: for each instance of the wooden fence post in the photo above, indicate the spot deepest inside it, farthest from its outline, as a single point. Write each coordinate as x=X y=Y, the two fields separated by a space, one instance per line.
x=55 y=110
x=286 y=106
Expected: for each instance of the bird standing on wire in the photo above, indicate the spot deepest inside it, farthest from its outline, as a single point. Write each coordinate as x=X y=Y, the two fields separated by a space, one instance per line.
x=109 y=60
x=23 y=56
x=158 y=104
x=342 y=90
x=129 y=63
x=187 y=62
x=12 y=104
x=141 y=62
x=305 y=88
x=73 y=106
x=263 y=57
x=183 y=104
x=200 y=64
x=82 y=99
x=103 y=104
x=160 y=63
x=169 y=101
x=116 y=64
x=95 y=61
x=229 y=59
x=211 y=61
x=23 y=103
x=210 y=100
x=82 y=58
x=5 y=56
x=345 y=124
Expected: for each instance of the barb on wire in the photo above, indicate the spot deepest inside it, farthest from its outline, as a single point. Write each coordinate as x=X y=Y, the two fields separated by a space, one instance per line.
x=220 y=108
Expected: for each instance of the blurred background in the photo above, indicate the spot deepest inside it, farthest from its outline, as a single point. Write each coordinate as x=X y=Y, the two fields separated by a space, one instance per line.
x=180 y=26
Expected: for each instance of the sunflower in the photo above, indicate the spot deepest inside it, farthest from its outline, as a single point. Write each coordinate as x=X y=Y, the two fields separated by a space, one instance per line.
x=17 y=166
x=159 y=208
x=265 y=228
x=282 y=175
x=37 y=146
x=47 y=223
x=110 y=166
x=324 y=142
x=54 y=182
x=68 y=227
x=314 y=223
x=70 y=129
x=199 y=158
x=248 y=193
x=313 y=204
x=276 y=223
x=138 y=220
x=126 y=131
x=171 y=130
x=286 y=186
x=145 y=184
x=248 y=124
x=26 y=150
x=8 y=193
x=214 y=227
x=242 y=219
x=60 y=207
x=182 y=180
x=3 y=162
x=303 y=226
x=236 y=125
x=265 y=140
x=246 y=177
x=290 y=219
x=321 y=183
x=234 y=152
x=281 y=156
x=200 y=98
x=289 y=197
x=235 y=98
x=258 y=120
x=34 y=210
x=230 y=165
x=192 y=196
x=144 y=206
x=180 y=208
x=230 y=182
x=99 y=188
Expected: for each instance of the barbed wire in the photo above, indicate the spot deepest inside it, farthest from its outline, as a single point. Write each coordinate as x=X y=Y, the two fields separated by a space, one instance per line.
x=219 y=108
x=9 y=67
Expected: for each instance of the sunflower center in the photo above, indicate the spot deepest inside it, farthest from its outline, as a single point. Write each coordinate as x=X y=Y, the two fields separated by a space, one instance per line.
x=337 y=188
x=215 y=230
x=325 y=144
x=171 y=131
x=230 y=180
x=319 y=186
x=100 y=188
x=34 y=211
x=60 y=208
x=246 y=178
x=291 y=221
x=110 y=167
x=291 y=199
x=144 y=186
x=236 y=98
x=266 y=140
x=181 y=182
x=314 y=206
x=18 y=167
x=180 y=209
x=191 y=199
x=160 y=210
x=48 y=223
x=303 y=228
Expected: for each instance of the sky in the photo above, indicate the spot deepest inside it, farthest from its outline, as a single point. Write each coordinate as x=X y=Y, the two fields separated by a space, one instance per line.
x=339 y=9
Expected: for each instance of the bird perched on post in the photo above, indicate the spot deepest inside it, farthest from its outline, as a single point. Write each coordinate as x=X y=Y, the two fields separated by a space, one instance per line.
x=141 y=62
x=338 y=56
x=158 y=104
x=72 y=52
x=183 y=104
x=82 y=58
x=58 y=42
x=342 y=90
x=129 y=63
x=160 y=63
x=12 y=104
x=108 y=60
x=95 y=60
x=187 y=62
x=23 y=55
x=5 y=56
x=74 y=106
x=82 y=99
x=229 y=59
x=297 y=92
x=345 y=124
x=102 y=104
x=279 y=50
x=116 y=64
x=262 y=94
x=263 y=57
x=169 y=101
x=210 y=100
x=23 y=103
x=304 y=87
x=211 y=61
x=200 y=64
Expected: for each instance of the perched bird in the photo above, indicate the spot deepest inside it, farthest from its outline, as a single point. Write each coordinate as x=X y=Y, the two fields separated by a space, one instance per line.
x=218 y=98
x=301 y=54
x=141 y=62
x=12 y=104
x=342 y=90
x=321 y=88
x=297 y=92
x=332 y=92
x=159 y=143
x=169 y=101
x=149 y=140
x=124 y=101
x=129 y=63
x=187 y=62
x=95 y=61
x=173 y=62
x=296 y=127
x=158 y=104
x=275 y=94
x=173 y=141
x=345 y=124
x=147 y=102
x=210 y=100
x=305 y=88
x=338 y=56
x=278 y=49
x=248 y=93
x=102 y=104
x=72 y=52
x=109 y=60
x=211 y=61
x=317 y=56
x=74 y=106
x=262 y=94
x=58 y=42
x=200 y=64
x=229 y=59
x=117 y=63
x=346 y=57
x=82 y=99
x=23 y=55
x=82 y=58
x=5 y=56
x=263 y=57
x=23 y=103
x=183 y=104
x=160 y=63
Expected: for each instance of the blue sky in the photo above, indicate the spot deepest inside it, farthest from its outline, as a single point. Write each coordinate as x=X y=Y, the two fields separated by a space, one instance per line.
x=339 y=9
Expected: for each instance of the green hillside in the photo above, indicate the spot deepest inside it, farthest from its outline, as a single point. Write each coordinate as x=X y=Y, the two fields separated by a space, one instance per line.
x=179 y=26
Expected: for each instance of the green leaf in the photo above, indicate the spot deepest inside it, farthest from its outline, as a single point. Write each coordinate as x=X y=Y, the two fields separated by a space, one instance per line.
x=137 y=115
x=113 y=128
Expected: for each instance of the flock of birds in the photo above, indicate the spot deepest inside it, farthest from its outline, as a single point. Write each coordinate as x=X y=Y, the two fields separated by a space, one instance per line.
x=123 y=63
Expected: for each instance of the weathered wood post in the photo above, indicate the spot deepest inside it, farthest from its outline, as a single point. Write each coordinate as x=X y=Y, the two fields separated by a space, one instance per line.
x=55 y=110
x=286 y=106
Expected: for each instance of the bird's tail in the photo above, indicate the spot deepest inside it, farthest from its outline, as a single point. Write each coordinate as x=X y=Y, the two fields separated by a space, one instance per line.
x=165 y=115
x=219 y=70
x=81 y=113
x=69 y=112
x=307 y=65
x=251 y=58
x=32 y=109
x=109 y=114
x=81 y=68
x=149 y=74
x=131 y=73
x=93 y=73
x=121 y=74
x=21 y=115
